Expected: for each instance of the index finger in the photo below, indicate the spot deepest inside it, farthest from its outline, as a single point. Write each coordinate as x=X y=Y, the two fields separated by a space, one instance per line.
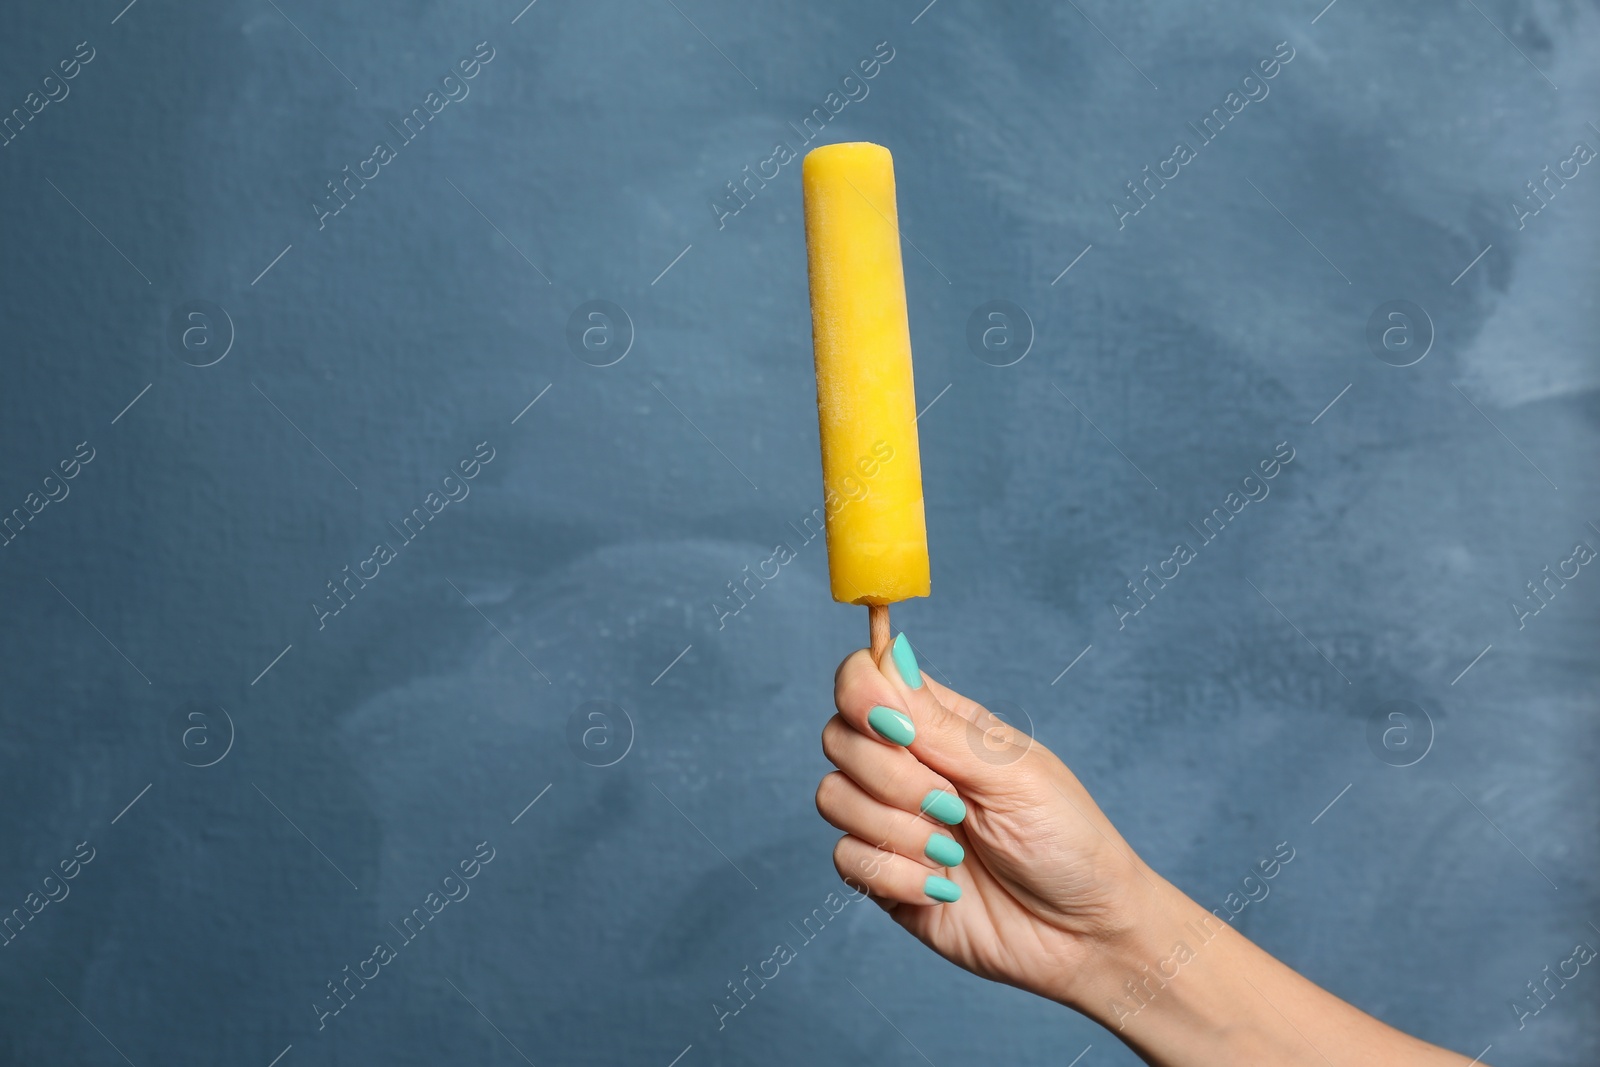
x=869 y=702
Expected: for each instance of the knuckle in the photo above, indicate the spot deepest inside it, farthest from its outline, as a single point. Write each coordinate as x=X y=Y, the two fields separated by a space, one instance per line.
x=847 y=679
x=841 y=677
x=843 y=851
x=833 y=738
x=894 y=783
x=908 y=783
x=829 y=792
x=954 y=728
x=856 y=860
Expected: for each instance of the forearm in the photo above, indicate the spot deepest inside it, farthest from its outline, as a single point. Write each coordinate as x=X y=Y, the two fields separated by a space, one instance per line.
x=1182 y=988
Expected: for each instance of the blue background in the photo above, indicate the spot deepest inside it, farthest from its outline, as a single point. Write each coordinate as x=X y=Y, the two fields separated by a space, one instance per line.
x=382 y=746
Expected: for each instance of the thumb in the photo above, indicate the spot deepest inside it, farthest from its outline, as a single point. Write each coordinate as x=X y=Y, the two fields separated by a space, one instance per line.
x=973 y=750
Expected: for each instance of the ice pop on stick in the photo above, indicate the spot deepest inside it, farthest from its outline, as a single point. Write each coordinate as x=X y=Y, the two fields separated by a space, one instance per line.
x=866 y=402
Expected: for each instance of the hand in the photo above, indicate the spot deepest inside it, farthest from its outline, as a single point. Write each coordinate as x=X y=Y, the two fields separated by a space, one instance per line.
x=979 y=841
x=975 y=837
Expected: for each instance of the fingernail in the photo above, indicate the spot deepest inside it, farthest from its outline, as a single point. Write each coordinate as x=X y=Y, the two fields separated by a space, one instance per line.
x=905 y=661
x=941 y=889
x=891 y=725
x=944 y=851
x=946 y=807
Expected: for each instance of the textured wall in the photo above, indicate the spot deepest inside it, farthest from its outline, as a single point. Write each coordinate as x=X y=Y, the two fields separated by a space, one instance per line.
x=300 y=778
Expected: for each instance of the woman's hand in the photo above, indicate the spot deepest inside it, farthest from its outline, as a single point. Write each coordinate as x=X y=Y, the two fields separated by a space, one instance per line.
x=976 y=838
x=980 y=842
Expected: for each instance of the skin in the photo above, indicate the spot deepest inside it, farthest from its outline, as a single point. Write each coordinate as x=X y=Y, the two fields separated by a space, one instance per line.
x=1054 y=901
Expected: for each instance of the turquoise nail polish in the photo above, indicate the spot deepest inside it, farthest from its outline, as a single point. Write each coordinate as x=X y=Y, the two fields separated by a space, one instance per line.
x=941 y=889
x=891 y=725
x=905 y=661
x=946 y=807
x=944 y=851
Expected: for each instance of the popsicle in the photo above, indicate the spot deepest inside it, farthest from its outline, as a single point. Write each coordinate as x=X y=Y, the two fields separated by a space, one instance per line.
x=866 y=402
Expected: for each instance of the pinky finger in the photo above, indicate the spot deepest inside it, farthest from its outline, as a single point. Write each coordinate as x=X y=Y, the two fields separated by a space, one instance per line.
x=890 y=877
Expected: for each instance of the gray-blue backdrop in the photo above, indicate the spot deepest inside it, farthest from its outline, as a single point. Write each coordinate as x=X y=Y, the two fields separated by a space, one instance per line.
x=309 y=605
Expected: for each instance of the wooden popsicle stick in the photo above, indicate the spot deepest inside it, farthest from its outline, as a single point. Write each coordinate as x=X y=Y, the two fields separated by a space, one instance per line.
x=878 y=625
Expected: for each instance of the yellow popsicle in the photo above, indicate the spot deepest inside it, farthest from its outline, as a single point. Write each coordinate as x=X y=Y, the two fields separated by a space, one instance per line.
x=866 y=402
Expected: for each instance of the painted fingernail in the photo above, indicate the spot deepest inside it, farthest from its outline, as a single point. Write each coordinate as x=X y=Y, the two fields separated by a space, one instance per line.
x=941 y=889
x=891 y=725
x=944 y=851
x=946 y=807
x=905 y=661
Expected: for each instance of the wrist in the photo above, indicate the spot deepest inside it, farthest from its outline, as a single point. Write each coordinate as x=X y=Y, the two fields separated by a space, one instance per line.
x=1124 y=963
x=1174 y=986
